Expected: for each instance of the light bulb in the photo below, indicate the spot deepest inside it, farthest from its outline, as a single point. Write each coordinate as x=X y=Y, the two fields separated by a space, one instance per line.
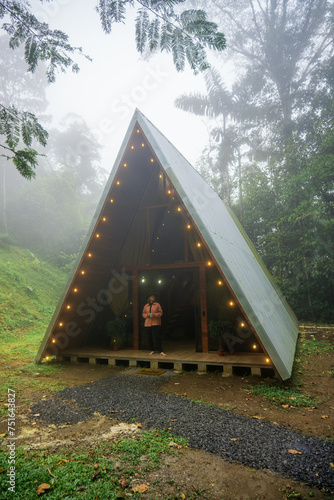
x=132 y=147
x=199 y=245
x=75 y=290
x=179 y=209
x=209 y=263
x=61 y=324
x=53 y=341
x=138 y=131
x=125 y=165
x=68 y=307
x=82 y=272
x=254 y=346
x=97 y=235
x=242 y=324
x=90 y=255
x=268 y=360
x=152 y=160
x=111 y=201
x=118 y=183
x=142 y=145
x=188 y=226
x=220 y=283
x=231 y=303
x=104 y=219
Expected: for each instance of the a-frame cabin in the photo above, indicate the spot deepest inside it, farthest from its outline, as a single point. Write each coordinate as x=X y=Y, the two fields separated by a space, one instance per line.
x=159 y=227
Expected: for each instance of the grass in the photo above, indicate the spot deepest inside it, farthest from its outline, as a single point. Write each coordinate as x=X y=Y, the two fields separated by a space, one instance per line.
x=90 y=473
x=292 y=392
x=29 y=289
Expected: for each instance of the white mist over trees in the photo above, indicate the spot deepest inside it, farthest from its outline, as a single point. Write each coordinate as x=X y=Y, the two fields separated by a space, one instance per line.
x=272 y=141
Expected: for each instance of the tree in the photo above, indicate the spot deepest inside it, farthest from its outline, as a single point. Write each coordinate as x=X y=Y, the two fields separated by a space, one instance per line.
x=286 y=86
x=219 y=104
x=279 y=43
x=186 y=35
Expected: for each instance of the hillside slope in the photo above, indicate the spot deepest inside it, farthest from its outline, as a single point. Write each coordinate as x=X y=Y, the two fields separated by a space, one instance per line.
x=29 y=290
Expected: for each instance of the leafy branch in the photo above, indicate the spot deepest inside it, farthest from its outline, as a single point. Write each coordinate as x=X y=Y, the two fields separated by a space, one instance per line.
x=40 y=42
x=186 y=36
x=21 y=127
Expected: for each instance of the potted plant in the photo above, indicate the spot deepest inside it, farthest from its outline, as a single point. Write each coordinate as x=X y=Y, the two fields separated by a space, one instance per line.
x=116 y=330
x=217 y=329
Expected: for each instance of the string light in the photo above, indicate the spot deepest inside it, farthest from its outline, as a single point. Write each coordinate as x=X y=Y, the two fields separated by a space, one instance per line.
x=188 y=226
x=68 y=307
x=209 y=263
x=132 y=147
x=53 y=341
x=143 y=280
x=159 y=281
x=111 y=201
x=142 y=145
x=179 y=209
x=220 y=283
x=254 y=346
x=104 y=219
x=231 y=303
x=75 y=290
x=169 y=191
x=125 y=165
x=90 y=255
x=61 y=324
x=152 y=160
x=242 y=325
x=97 y=235
x=82 y=272
x=199 y=245
x=138 y=131
x=118 y=183
x=268 y=360
x=47 y=358
x=160 y=176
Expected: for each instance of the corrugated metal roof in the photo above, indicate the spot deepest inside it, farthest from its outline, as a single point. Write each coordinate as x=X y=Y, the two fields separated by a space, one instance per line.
x=270 y=315
x=266 y=309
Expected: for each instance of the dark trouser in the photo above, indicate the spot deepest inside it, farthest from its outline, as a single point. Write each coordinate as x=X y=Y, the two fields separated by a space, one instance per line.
x=154 y=337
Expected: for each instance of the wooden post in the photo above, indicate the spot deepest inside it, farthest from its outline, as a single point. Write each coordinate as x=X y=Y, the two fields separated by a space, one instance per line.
x=135 y=305
x=203 y=306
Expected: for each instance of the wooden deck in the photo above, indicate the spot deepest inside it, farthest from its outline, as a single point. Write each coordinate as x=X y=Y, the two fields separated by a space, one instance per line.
x=178 y=357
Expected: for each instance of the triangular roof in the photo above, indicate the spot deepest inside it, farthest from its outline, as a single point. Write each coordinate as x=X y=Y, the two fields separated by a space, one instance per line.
x=233 y=252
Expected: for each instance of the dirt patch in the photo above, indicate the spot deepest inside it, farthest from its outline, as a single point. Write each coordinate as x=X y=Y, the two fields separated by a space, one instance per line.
x=97 y=429
x=232 y=393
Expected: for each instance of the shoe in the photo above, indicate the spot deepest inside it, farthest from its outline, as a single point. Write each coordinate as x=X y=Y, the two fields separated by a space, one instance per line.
x=152 y=352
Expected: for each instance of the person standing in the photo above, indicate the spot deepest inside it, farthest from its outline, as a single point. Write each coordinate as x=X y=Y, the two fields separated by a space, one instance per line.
x=152 y=313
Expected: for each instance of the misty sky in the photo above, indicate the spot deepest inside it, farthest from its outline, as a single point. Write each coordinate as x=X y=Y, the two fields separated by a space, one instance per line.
x=107 y=91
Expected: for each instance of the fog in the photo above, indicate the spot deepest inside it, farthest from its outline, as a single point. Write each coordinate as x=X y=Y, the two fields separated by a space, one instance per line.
x=258 y=126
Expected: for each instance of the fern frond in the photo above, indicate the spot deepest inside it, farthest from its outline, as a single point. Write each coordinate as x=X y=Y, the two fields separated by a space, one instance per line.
x=142 y=26
x=166 y=37
x=178 y=49
x=154 y=34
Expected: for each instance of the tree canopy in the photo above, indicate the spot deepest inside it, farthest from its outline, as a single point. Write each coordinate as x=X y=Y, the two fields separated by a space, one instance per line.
x=186 y=34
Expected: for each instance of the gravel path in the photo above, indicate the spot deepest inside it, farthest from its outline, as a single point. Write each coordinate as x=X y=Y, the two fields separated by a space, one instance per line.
x=255 y=443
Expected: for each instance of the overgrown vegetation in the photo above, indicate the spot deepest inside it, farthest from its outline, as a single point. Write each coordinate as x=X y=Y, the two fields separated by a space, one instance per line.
x=102 y=472
x=29 y=290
